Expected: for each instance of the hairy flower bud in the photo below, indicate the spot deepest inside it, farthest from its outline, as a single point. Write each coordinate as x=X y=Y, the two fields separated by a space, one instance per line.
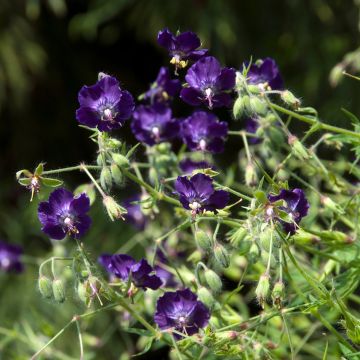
x=106 y=178
x=258 y=105
x=116 y=174
x=289 y=99
x=254 y=252
x=278 y=293
x=221 y=255
x=240 y=106
x=262 y=289
x=58 y=290
x=302 y=237
x=120 y=160
x=251 y=178
x=298 y=148
x=114 y=210
x=45 y=287
x=238 y=236
x=203 y=240
x=213 y=280
x=81 y=292
x=206 y=297
x=331 y=205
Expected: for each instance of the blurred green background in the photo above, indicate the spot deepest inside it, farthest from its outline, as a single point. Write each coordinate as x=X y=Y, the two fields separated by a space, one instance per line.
x=50 y=48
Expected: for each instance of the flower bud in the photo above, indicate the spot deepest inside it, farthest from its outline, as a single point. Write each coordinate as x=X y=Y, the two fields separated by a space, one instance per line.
x=206 y=297
x=45 y=287
x=238 y=236
x=278 y=293
x=258 y=106
x=240 y=106
x=116 y=174
x=337 y=236
x=195 y=257
x=262 y=289
x=221 y=255
x=265 y=237
x=58 y=290
x=251 y=178
x=302 y=237
x=82 y=292
x=213 y=280
x=331 y=205
x=106 y=178
x=114 y=210
x=254 y=89
x=203 y=240
x=254 y=252
x=298 y=148
x=289 y=99
x=120 y=160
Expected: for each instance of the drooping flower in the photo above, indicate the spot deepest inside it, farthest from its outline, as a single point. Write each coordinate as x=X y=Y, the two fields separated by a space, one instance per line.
x=198 y=194
x=181 y=311
x=181 y=47
x=251 y=126
x=154 y=124
x=134 y=214
x=104 y=105
x=123 y=266
x=265 y=73
x=64 y=214
x=294 y=204
x=187 y=166
x=203 y=131
x=163 y=88
x=208 y=84
x=10 y=257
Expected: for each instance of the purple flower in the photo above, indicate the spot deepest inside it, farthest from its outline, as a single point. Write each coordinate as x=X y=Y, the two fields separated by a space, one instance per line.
x=123 y=266
x=182 y=47
x=10 y=255
x=154 y=124
x=203 y=131
x=64 y=214
x=295 y=204
x=251 y=126
x=209 y=84
x=182 y=312
x=134 y=214
x=197 y=194
x=187 y=166
x=266 y=74
x=104 y=105
x=163 y=87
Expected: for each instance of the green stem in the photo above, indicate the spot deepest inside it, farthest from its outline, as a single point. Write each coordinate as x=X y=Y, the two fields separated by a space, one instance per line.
x=71 y=168
x=85 y=169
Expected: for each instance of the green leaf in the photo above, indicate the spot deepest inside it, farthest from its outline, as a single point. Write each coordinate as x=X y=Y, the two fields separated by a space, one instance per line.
x=88 y=189
x=146 y=348
x=351 y=116
x=51 y=182
x=132 y=150
x=24 y=172
x=39 y=169
x=24 y=181
x=261 y=196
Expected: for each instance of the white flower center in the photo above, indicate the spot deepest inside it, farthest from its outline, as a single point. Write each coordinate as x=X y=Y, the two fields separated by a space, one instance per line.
x=67 y=221
x=156 y=131
x=208 y=92
x=202 y=145
x=5 y=262
x=194 y=205
x=108 y=113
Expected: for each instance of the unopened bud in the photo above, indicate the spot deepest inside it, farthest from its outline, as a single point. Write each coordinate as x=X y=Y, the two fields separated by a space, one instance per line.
x=289 y=99
x=265 y=237
x=114 y=210
x=251 y=178
x=213 y=280
x=254 y=89
x=337 y=236
x=81 y=291
x=336 y=74
x=254 y=252
x=203 y=240
x=45 y=287
x=331 y=205
x=116 y=174
x=238 y=236
x=258 y=106
x=278 y=293
x=105 y=178
x=120 y=160
x=298 y=148
x=206 y=297
x=302 y=237
x=58 y=291
x=262 y=289
x=221 y=255
x=239 y=108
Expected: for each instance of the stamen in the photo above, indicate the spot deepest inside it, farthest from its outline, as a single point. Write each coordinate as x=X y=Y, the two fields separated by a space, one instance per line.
x=202 y=145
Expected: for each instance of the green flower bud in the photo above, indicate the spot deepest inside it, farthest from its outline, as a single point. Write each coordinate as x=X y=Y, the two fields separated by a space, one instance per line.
x=82 y=292
x=163 y=148
x=265 y=237
x=238 y=236
x=120 y=160
x=58 y=291
x=251 y=178
x=195 y=257
x=254 y=89
x=206 y=297
x=278 y=293
x=45 y=287
x=289 y=99
x=254 y=252
x=203 y=240
x=337 y=236
x=221 y=255
x=106 y=178
x=331 y=205
x=117 y=174
x=213 y=280
x=114 y=210
x=100 y=160
x=262 y=289
x=240 y=106
x=297 y=148
x=114 y=143
x=304 y=238
x=258 y=105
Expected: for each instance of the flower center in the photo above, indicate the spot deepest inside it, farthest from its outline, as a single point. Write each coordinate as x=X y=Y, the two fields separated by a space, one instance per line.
x=182 y=321
x=108 y=115
x=202 y=145
x=5 y=262
x=156 y=132
x=70 y=226
x=194 y=206
x=209 y=96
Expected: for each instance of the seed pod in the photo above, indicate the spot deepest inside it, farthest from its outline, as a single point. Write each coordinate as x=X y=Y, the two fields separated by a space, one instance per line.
x=45 y=287
x=116 y=174
x=114 y=210
x=203 y=240
x=262 y=289
x=278 y=293
x=106 y=178
x=120 y=160
x=221 y=255
x=213 y=280
x=58 y=290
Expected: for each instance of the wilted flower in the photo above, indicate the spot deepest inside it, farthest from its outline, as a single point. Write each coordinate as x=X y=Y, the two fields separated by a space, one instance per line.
x=203 y=131
x=123 y=266
x=163 y=87
x=251 y=126
x=209 y=84
x=181 y=311
x=182 y=47
x=64 y=214
x=104 y=105
x=154 y=124
x=265 y=73
x=187 y=166
x=295 y=205
x=134 y=214
x=10 y=255
x=197 y=194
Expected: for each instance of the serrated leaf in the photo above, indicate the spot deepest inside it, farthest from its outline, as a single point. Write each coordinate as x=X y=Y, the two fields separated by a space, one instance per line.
x=51 y=182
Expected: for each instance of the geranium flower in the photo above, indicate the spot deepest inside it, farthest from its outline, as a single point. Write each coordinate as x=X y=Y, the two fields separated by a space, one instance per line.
x=10 y=257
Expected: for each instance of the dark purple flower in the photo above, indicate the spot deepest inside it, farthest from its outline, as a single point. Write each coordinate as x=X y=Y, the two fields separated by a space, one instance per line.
x=209 y=84
x=182 y=312
x=182 y=47
x=251 y=126
x=295 y=204
x=134 y=214
x=123 y=266
x=203 y=131
x=187 y=166
x=64 y=214
x=104 y=105
x=166 y=277
x=197 y=194
x=154 y=124
x=266 y=74
x=10 y=255
x=163 y=87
